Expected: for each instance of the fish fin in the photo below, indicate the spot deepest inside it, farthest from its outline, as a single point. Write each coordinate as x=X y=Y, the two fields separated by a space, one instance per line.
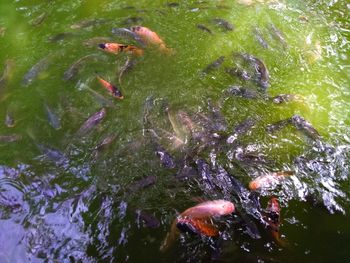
x=202 y=226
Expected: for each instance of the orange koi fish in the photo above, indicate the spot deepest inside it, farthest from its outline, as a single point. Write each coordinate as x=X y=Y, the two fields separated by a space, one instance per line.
x=268 y=181
x=111 y=88
x=197 y=226
x=116 y=48
x=150 y=37
x=197 y=219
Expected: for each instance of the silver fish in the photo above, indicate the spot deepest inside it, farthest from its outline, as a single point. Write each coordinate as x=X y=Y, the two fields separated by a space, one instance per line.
x=10 y=138
x=91 y=122
x=39 y=67
x=128 y=34
x=52 y=116
x=76 y=66
x=6 y=75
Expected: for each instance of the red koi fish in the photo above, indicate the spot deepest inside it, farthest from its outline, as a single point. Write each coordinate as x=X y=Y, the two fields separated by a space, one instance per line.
x=111 y=88
x=116 y=48
x=150 y=37
x=197 y=219
x=197 y=226
x=272 y=217
x=268 y=181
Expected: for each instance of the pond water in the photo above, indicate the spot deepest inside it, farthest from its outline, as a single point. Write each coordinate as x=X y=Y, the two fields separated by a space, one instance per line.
x=65 y=196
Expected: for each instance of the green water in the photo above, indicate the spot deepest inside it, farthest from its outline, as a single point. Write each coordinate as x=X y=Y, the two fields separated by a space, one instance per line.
x=76 y=212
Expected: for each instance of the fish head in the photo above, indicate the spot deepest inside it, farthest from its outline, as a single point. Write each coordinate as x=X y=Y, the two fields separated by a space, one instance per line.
x=254 y=185
x=223 y=207
x=273 y=205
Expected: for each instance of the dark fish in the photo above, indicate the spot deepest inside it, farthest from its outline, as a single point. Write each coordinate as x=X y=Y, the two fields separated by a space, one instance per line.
x=9 y=120
x=133 y=20
x=245 y=126
x=249 y=200
x=10 y=138
x=34 y=72
x=104 y=102
x=91 y=122
x=278 y=35
x=147 y=219
x=260 y=68
x=236 y=72
x=214 y=65
x=204 y=28
x=173 y=4
x=241 y=128
x=277 y=125
x=242 y=92
x=259 y=37
x=248 y=157
x=128 y=34
x=219 y=122
x=39 y=19
x=61 y=36
x=89 y=23
x=7 y=73
x=298 y=122
x=165 y=158
x=93 y=42
x=52 y=116
x=129 y=65
x=74 y=69
x=141 y=184
x=54 y=155
x=251 y=228
x=285 y=98
x=104 y=144
x=207 y=177
x=227 y=26
x=186 y=172
x=303 y=125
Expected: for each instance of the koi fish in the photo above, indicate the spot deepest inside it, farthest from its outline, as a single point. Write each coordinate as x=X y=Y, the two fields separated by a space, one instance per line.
x=197 y=219
x=268 y=181
x=116 y=48
x=272 y=217
x=149 y=37
x=197 y=226
x=111 y=88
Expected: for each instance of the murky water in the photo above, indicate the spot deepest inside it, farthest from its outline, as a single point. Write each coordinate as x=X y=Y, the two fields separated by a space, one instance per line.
x=178 y=132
